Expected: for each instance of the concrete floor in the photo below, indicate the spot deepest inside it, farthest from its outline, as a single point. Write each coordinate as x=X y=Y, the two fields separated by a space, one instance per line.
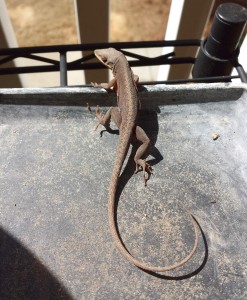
x=54 y=176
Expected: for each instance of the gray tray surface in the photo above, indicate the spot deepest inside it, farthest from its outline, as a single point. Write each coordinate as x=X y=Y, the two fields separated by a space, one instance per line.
x=54 y=177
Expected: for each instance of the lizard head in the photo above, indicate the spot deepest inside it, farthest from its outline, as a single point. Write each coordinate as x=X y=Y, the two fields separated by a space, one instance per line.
x=108 y=56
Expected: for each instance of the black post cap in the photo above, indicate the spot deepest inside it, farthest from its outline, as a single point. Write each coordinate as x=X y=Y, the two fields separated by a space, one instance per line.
x=222 y=45
x=226 y=30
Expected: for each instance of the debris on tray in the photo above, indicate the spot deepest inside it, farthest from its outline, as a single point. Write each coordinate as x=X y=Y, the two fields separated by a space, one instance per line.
x=215 y=136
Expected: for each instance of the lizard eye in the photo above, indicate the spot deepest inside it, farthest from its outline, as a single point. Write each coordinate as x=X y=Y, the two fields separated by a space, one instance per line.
x=104 y=59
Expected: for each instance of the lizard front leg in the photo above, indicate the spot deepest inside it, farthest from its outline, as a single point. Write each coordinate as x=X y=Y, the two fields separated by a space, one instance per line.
x=105 y=119
x=106 y=86
x=144 y=139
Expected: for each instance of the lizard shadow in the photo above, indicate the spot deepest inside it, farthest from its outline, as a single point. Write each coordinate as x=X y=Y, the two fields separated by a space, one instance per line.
x=123 y=180
x=109 y=130
x=191 y=274
x=148 y=120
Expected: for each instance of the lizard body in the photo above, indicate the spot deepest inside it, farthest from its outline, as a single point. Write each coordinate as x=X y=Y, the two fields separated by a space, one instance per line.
x=124 y=83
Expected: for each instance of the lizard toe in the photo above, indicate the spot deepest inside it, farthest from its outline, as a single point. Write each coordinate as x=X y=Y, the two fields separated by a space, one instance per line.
x=146 y=168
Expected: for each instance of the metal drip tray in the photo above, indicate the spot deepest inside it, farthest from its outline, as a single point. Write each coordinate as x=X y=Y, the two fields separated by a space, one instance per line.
x=54 y=177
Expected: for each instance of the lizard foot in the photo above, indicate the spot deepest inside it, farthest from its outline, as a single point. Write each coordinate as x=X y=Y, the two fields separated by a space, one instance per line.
x=100 y=116
x=95 y=84
x=101 y=85
x=146 y=169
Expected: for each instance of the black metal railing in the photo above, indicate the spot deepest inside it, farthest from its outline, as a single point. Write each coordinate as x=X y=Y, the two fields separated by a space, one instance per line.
x=63 y=66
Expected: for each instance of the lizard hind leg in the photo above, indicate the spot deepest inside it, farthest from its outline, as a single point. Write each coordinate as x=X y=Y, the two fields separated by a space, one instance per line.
x=146 y=168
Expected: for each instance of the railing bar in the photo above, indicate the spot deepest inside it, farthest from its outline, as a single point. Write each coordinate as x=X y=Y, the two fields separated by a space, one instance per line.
x=240 y=70
x=63 y=69
x=165 y=55
x=63 y=66
x=201 y=79
x=127 y=53
x=241 y=73
x=29 y=56
x=7 y=59
x=91 y=66
x=141 y=57
x=88 y=47
x=169 y=61
x=176 y=81
x=81 y=60
x=30 y=69
x=40 y=58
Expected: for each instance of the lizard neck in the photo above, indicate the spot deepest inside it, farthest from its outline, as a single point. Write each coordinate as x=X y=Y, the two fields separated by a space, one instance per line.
x=115 y=67
x=121 y=66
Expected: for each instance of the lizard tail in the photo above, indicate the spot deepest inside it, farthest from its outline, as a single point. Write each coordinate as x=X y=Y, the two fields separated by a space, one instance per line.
x=119 y=243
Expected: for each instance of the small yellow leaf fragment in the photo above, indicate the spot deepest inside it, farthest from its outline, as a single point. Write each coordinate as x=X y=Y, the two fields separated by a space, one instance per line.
x=215 y=136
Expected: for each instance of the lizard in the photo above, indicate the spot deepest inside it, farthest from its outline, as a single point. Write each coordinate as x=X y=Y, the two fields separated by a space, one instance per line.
x=124 y=83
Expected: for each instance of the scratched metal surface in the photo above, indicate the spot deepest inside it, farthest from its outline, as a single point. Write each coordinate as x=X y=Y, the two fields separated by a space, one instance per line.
x=54 y=176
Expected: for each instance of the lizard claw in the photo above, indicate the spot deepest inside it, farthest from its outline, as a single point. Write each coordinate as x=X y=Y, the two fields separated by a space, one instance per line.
x=89 y=109
x=146 y=169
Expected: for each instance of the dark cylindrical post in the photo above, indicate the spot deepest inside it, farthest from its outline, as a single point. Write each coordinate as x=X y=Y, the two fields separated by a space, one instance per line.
x=63 y=69
x=221 y=48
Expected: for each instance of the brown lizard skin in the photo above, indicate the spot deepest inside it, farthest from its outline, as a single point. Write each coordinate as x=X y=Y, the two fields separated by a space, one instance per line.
x=124 y=83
